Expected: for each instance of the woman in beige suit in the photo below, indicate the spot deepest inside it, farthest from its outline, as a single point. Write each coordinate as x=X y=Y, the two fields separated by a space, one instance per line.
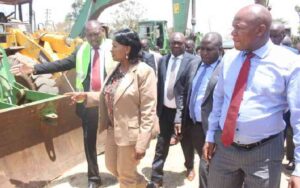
x=127 y=110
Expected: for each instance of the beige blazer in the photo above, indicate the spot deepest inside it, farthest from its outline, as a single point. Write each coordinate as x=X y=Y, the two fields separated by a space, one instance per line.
x=134 y=107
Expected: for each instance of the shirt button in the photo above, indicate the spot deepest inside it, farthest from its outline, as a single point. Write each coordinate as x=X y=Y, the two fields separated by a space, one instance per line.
x=237 y=129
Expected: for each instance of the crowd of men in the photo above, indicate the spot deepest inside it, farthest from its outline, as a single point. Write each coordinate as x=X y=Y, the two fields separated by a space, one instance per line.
x=237 y=104
x=231 y=108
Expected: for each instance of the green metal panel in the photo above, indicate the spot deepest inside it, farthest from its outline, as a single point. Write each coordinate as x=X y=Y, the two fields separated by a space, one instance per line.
x=6 y=80
x=180 y=14
x=81 y=19
x=5 y=105
x=90 y=10
x=150 y=28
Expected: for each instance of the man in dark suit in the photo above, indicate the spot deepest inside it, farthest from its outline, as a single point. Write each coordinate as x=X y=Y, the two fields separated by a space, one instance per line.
x=174 y=72
x=148 y=59
x=200 y=87
x=92 y=61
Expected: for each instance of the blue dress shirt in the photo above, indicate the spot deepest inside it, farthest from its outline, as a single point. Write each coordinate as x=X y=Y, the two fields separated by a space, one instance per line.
x=273 y=86
x=199 y=92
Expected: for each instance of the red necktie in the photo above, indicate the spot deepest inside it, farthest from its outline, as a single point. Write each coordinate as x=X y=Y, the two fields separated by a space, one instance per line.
x=96 y=82
x=232 y=113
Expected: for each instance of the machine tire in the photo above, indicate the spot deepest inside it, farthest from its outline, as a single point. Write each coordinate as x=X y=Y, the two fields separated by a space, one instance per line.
x=42 y=83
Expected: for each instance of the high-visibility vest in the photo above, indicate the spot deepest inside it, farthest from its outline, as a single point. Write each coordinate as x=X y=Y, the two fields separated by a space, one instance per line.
x=83 y=59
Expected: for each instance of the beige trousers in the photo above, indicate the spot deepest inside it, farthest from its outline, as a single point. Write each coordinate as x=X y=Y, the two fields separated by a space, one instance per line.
x=119 y=160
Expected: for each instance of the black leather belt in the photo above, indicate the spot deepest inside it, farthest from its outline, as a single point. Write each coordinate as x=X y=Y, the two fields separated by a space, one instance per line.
x=253 y=145
x=198 y=123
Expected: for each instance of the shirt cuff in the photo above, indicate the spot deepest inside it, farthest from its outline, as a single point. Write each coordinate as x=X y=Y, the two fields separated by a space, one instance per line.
x=210 y=136
x=296 y=172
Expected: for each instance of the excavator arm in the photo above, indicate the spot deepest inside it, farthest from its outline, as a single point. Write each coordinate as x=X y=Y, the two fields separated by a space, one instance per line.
x=90 y=10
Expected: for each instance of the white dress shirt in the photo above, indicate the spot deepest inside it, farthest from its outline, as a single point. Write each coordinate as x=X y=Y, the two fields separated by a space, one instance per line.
x=273 y=86
x=171 y=103
x=102 y=64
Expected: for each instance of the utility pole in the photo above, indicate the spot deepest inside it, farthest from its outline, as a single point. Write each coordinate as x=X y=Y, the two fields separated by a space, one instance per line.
x=48 y=16
x=193 y=15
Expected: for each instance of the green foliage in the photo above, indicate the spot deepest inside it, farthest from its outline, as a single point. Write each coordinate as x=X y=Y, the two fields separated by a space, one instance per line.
x=76 y=6
x=297 y=9
x=128 y=14
x=71 y=16
x=280 y=20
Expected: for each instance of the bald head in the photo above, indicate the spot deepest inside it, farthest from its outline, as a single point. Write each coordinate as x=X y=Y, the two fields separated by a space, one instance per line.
x=277 y=32
x=145 y=44
x=190 y=46
x=177 y=43
x=287 y=41
x=251 y=27
x=214 y=38
x=94 y=33
x=211 y=47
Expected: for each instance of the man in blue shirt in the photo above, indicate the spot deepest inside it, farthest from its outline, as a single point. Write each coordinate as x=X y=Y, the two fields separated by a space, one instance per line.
x=278 y=37
x=244 y=141
x=193 y=131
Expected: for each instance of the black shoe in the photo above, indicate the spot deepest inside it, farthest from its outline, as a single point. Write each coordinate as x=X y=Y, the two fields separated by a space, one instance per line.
x=152 y=184
x=93 y=184
x=291 y=165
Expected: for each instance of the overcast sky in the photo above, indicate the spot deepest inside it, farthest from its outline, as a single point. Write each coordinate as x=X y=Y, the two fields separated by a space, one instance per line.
x=211 y=15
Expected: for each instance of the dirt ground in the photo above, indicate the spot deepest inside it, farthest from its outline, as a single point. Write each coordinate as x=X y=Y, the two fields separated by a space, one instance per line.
x=174 y=172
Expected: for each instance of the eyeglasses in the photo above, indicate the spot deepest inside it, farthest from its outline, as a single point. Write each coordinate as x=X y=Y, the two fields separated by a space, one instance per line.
x=207 y=49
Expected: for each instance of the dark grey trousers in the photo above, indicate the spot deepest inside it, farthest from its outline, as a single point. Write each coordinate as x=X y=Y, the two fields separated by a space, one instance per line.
x=232 y=167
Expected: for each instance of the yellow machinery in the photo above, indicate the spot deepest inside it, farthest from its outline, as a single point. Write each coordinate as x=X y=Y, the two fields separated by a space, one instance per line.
x=35 y=145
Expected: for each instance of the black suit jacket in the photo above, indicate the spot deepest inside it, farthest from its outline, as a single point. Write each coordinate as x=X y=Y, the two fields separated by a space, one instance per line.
x=186 y=69
x=149 y=59
x=207 y=103
x=64 y=65
x=208 y=96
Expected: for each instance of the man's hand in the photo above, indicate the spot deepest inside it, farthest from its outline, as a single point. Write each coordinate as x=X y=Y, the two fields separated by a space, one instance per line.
x=139 y=154
x=177 y=129
x=208 y=151
x=22 y=67
x=294 y=182
x=77 y=97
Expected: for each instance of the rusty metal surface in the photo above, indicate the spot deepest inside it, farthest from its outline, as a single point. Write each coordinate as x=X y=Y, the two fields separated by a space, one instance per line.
x=14 y=2
x=33 y=153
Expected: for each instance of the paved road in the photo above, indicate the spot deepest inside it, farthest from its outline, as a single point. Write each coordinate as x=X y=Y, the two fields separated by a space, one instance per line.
x=174 y=172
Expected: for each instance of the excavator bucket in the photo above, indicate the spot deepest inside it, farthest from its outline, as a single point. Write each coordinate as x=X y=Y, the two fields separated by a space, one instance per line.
x=41 y=136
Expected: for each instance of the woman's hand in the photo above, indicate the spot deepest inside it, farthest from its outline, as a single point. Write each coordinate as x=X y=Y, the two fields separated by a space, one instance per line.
x=77 y=97
x=139 y=154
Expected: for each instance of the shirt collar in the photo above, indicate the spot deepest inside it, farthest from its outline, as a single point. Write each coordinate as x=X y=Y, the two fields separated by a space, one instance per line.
x=263 y=51
x=178 y=57
x=213 y=64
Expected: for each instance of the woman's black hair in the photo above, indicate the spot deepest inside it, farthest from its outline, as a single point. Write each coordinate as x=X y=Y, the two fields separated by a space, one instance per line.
x=128 y=37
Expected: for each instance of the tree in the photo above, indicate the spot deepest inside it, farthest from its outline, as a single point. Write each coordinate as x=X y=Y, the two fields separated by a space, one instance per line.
x=297 y=9
x=71 y=16
x=128 y=14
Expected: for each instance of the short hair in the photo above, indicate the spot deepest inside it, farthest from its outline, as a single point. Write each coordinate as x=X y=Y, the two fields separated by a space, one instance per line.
x=128 y=37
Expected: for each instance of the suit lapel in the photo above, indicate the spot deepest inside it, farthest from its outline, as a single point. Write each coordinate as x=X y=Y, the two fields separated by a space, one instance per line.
x=125 y=83
x=165 y=67
x=182 y=67
x=212 y=81
x=191 y=83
